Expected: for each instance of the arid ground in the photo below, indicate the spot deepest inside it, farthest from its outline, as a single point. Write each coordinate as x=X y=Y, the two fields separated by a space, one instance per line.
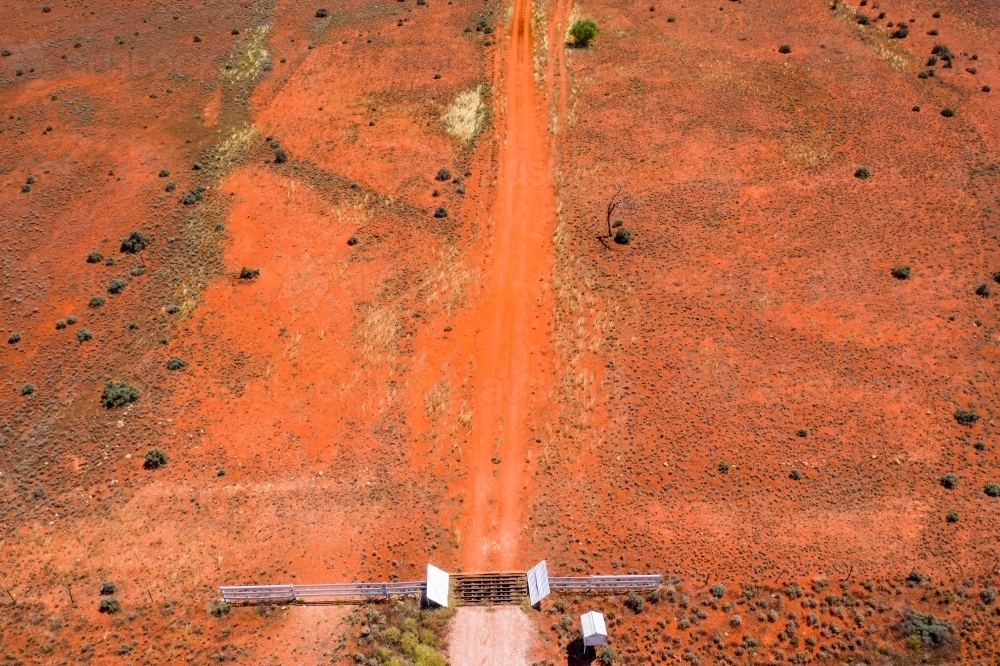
x=347 y=265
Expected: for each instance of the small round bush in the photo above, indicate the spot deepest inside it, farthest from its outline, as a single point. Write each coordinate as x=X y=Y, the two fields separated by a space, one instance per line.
x=949 y=481
x=440 y=212
x=27 y=389
x=795 y=475
x=84 y=335
x=948 y=112
x=71 y=320
x=862 y=173
x=979 y=445
x=175 y=363
x=164 y=173
x=992 y=489
x=173 y=309
x=988 y=595
x=583 y=31
x=723 y=467
x=802 y=432
x=952 y=516
x=116 y=286
x=623 y=236
x=117 y=394
x=94 y=257
x=443 y=175
x=155 y=458
x=717 y=590
x=13 y=338
x=352 y=241
x=249 y=273
x=280 y=156
x=634 y=602
x=900 y=272
x=60 y=324
x=784 y=48
x=109 y=605
x=322 y=13
x=96 y=301
x=136 y=241
x=736 y=620
x=110 y=261
x=170 y=186
x=901 y=32
x=966 y=417
x=108 y=588
x=983 y=290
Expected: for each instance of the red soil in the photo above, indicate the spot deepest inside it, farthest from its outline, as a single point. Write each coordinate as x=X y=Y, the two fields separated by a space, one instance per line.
x=356 y=396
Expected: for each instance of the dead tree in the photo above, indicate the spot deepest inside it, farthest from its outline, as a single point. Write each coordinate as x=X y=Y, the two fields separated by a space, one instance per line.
x=621 y=200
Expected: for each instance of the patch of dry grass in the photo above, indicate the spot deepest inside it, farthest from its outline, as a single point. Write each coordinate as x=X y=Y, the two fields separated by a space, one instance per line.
x=378 y=331
x=466 y=116
x=249 y=56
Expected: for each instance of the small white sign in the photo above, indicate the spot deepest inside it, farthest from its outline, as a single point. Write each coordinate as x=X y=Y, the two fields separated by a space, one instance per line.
x=438 y=583
x=538 y=582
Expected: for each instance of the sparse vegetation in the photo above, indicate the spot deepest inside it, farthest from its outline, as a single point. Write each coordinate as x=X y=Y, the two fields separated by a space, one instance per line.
x=322 y=13
x=440 y=212
x=623 y=236
x=966 y=417
x=13 y=338
x=96 y=301
x=952 y=516
x=94 y=257
x=902 y=30
x=983 y=290
x=862 y=173
x=724 y=467
x=718 y=590
x=352 y=241
x=135 y=242
x=175 y=363
x=116 y=286
x=280 y=156
x=443 y=175
x=992 y=489
x=219 y=608
x=155 y=459
x=785 y=48
x=928 y=630
x=60 y=324
x=583 y=32
x=84 y=335
x=987 y=595
x=117 y=394
x=606 y=655
x=900 y=272
x=795 y=475
x=634 y=602
x=249 y=273
x=947 y=112
x=109 y=605
x=27 y=389
x=949 y=481
x=108 y=588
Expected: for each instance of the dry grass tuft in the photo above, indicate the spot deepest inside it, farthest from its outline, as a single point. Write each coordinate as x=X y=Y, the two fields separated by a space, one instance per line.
x=466 y=116
x=379 y=331
x=249 y=56
x=446 y=283
x=231 y=149
x=436 y=400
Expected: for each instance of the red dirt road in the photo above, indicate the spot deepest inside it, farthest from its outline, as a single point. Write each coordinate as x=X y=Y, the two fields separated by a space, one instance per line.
x=510 y=348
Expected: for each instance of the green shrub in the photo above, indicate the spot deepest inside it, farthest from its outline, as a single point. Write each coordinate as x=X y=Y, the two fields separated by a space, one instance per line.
x=623 y=236
x=173 y=309
x=155 y=459
x=901 y=31
x=723 y=467
x=425 y=655
x=352 y=241
x=84 y=335
x=94 y=257
x=785 y=48
x=900 y=272
x=802 y=432
x=96 y=301
x=947 y=112
x=863 y=20
x=440 y=212
x=862 y=173
x=606 y=655
x=249 y=273
x=175 y=363
x=988 y=595
x=71 y=320
x=992 y=489
x=117 y=394
x=27 y=389
x=60 y=324
x=170 y=186
x=795 y=475
x=116 y=286
x=952 y=516
x=443 y=175
x=193 y=196
x=280 y=156
x=949 y=481
x=136 y=241
x=322 y=13
x=634 y=602
x=966 y=416
x=930 y=630
x=108 y=588
x=717 y=590
x=13 y=338
x=109 y=605
x=583 y=31
x=915 y=577
x=983 y=290
x=220 y=607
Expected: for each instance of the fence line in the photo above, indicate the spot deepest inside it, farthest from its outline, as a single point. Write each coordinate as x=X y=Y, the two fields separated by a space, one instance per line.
x=292 y=593
x=605 y=583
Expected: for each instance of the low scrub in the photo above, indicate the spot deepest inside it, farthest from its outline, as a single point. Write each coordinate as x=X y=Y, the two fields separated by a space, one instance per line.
x=924 y=630
x=135 y=242
x=155 y=459
x=118 y=394
x=583 y=32
x=400 y=632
